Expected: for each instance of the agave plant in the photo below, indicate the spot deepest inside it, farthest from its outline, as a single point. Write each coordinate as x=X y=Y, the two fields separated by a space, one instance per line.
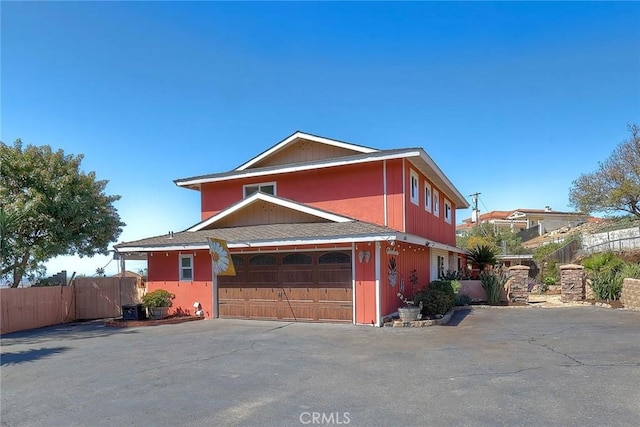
x=493 y=284
x=482 y=256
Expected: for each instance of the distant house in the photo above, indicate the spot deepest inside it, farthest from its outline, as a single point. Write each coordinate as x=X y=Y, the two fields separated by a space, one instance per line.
x=318 y=230
x=529 y=223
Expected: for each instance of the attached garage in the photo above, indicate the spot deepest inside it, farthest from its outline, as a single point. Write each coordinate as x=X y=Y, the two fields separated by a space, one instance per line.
x=296 y=286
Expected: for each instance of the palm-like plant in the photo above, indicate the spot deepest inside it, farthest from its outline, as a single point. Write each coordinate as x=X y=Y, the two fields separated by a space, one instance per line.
x=482 y=256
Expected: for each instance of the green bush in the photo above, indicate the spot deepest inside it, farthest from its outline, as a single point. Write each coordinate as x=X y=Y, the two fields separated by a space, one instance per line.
x=463 y=300
x=630 y=271
x=493 y=284
x=606 y=285
x=456 y=285
x=158 y=298
x=549 y=281
x=483 y=256
x=435 y=301
x=444 y=286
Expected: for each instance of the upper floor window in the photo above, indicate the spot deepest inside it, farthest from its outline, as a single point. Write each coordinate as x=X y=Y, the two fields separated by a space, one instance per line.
x=265 y=187
x=186 y=268
x=436 y=202
x=447 y=211
x=427 y=197
x=414 y=188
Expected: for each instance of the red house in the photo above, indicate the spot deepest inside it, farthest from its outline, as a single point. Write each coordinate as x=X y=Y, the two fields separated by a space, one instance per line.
x=319 y=230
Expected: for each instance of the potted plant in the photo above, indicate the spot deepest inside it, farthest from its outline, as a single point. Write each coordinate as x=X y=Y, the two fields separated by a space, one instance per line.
x=410 y=311
x=158 y=303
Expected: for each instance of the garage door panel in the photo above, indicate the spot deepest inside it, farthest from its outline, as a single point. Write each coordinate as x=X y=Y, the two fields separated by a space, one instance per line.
x=299 y=311
x=262 y=310
x=297 y=277
x=300 y=294
x=264 y=277
x=339 y=295
x=334 y=312
x=329 y=276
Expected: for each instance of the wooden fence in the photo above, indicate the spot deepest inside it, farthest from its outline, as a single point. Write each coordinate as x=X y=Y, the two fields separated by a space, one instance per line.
x=87 y=298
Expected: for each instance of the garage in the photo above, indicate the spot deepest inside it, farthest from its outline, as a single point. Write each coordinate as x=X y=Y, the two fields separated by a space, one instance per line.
x=292 y=286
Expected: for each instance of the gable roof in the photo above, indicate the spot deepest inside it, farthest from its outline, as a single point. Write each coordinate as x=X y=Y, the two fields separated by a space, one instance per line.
x=306 y=136
x=416 y=156
x=259 y=196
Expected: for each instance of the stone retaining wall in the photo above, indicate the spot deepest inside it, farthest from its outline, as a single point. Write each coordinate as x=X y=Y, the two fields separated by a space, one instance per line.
x=630 y=296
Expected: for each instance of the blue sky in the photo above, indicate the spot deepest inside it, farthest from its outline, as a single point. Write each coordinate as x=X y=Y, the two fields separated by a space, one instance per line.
x=512 y=100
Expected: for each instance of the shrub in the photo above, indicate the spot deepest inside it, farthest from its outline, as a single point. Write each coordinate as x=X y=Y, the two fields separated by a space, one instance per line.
x=630 y=271
x=455 y=285
x=482 y=256
x=493 y=283
x=158 y=298
x=549 y=281
x=606 y=285
x=435 y=301
x=463 y=300
x=444 y=286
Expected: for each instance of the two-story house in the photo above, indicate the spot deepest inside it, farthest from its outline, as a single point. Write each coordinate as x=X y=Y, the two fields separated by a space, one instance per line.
x=318 y=229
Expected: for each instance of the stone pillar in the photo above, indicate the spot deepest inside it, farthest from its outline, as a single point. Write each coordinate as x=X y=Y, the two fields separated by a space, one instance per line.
x=572 y=283
x=519 y=283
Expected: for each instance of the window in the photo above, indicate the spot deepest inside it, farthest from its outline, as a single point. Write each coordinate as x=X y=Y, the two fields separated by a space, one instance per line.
x=334 y=258
x=436 y=203
x=262 y=260
x=447 y=211
x=265 y=187
x=297 y=259
x=414 y=188
x=440 y=265
x=427 y=197
x=186 y=268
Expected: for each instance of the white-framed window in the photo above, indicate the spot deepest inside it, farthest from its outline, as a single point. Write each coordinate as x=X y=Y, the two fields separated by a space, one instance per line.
x=436 y=202
x=186 y=268
x=447 y=211
x=415 y=197
x=264 y=187
x=427 y=196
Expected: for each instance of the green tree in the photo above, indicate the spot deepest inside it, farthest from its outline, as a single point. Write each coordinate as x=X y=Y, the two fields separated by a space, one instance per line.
x=615 y=186
x=50 y=208
x=500 y=238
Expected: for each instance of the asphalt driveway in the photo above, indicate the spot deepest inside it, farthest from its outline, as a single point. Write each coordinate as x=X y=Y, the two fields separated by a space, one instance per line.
x=575 y=366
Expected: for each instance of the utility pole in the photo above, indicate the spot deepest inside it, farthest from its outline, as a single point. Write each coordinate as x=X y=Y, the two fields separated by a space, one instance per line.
x=475 y=213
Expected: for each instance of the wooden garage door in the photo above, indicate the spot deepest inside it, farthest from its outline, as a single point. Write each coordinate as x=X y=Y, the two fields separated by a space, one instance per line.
x=309 y=287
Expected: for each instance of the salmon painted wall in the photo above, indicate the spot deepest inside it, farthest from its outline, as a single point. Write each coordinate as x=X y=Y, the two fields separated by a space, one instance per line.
x=407 y=257
x=163 y=274
x=421 y=222
x=353 y=190
x=365 y=276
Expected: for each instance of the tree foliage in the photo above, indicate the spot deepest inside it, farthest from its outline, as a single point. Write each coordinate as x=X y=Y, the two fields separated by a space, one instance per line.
x=50 y=208
x=615 y=186
x=500 y=238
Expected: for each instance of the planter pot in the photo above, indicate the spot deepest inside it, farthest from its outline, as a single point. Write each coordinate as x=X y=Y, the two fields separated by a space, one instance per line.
x=409 y=314
x=159 y=312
